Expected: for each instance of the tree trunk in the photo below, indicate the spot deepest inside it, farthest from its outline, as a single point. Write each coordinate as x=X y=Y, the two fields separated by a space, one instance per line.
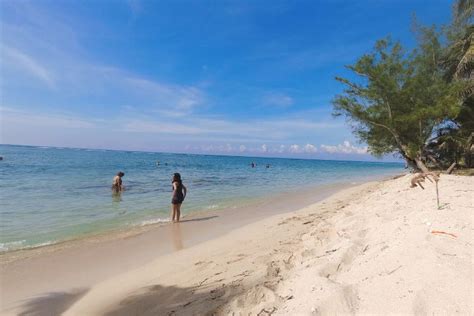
x=433 y=160
x=468 y=150
x=421 y=165
x=451 y=168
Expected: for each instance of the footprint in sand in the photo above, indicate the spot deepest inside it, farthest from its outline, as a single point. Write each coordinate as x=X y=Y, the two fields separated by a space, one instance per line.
x=239 y=258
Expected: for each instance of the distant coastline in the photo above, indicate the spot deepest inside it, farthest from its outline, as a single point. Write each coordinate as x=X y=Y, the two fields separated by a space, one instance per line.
x=369 y=158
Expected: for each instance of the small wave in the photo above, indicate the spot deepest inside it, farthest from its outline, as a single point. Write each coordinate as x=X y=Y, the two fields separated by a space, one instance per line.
x=5 y=246
x=46 y=243
x=18 y=245
x=154 y=221
x=213 y=206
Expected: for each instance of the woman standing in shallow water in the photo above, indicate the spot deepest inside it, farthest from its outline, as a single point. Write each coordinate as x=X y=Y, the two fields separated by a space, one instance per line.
x=117 y=186
x=179 y=193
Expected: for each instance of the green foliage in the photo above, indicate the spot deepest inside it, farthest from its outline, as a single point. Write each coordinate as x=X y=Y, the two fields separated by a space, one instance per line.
x=463 y=11
x=399 y=99
x=456 y=143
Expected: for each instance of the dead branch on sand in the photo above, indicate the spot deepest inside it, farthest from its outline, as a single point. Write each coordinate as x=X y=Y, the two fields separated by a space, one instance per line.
x=431 y=176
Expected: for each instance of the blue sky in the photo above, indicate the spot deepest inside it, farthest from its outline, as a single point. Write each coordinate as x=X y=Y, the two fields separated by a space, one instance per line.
x=215 y=77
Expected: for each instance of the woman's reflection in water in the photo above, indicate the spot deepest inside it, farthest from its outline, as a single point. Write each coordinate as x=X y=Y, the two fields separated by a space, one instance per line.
x=176 y=237
x=116 y=197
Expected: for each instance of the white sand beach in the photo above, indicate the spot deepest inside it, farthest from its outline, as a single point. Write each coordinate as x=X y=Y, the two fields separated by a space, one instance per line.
x=377 y=248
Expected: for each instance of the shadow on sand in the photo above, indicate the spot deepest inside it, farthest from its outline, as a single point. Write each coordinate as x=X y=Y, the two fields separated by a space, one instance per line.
x=54 y=303
x=199 y=219
x=172 y=300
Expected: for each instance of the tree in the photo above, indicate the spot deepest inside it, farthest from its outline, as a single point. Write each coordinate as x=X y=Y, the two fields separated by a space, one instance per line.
x=399 y=100
x=458 y=63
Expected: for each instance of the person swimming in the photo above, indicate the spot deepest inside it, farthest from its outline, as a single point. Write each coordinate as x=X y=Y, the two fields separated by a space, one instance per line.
x=179 y=194
x=117 y=182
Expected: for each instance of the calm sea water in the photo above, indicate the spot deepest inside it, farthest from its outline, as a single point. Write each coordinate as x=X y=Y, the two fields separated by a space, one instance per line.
x=54 y=194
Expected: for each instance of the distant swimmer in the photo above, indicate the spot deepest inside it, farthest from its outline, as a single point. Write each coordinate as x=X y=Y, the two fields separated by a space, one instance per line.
x=157 y=162
x=267 y=166
x=253 y=164
x=179 y=194
x=117 y=182
x=1 y=158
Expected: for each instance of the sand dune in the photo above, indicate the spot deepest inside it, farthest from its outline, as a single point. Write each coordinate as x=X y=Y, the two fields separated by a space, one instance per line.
x=377 y=248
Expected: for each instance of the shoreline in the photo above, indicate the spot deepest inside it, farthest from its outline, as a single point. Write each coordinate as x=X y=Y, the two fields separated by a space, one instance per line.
x=20 y=269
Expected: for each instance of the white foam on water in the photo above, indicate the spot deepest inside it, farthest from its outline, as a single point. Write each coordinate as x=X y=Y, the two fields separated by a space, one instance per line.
x=5 y=246
x=18 y=245
x=154 y=221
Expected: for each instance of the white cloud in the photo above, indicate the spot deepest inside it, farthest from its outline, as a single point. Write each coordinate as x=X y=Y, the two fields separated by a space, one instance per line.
x=310 y=148
x=345 y=148
x=264 y=148
x=242 y=148
x=294 y=149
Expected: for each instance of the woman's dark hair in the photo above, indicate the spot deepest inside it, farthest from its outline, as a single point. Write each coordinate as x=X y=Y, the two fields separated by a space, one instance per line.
x=176 y=177
x=120 y=174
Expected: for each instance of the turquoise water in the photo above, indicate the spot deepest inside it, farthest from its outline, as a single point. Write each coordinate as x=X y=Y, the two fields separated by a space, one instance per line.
x=54 y=194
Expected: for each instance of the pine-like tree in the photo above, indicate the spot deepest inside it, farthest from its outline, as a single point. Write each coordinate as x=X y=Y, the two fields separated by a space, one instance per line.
x=399 y=100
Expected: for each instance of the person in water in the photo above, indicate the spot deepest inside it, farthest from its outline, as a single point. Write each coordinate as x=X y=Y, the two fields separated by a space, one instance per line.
x=117 y=182
x=179 y=194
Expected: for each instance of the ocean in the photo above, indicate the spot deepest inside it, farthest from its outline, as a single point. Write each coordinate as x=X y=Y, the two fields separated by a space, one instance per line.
x=51 y=194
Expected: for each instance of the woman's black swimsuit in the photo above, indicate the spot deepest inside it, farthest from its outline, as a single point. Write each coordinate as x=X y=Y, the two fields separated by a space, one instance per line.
x=178 y=196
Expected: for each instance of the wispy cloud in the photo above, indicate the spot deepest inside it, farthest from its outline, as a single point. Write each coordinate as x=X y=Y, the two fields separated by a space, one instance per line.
x=44 y=46
x=165 y=96
x=30 y=121
x=226 y=129
x=12 y=57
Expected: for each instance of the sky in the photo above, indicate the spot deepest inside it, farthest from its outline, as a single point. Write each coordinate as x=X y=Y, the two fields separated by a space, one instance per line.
x=253 y=78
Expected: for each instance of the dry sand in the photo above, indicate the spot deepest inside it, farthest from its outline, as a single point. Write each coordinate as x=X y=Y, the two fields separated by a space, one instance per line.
x=371 y=249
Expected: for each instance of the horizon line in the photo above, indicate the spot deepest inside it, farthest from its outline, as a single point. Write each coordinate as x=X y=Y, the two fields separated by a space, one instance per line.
x=200 y=154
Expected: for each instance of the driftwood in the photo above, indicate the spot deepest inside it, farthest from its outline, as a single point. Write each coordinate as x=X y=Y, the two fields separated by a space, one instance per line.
x=431 y=176
x=416 y=180
x=443 y=233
